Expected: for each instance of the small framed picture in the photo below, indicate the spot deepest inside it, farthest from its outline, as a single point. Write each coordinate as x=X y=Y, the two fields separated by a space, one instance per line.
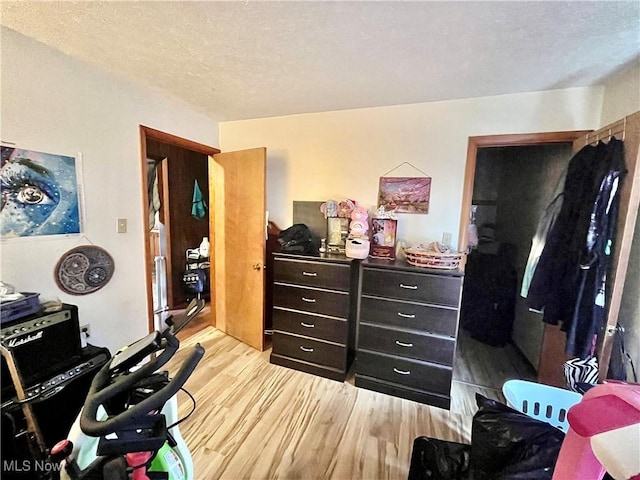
x=337 y=231
x=383 y=238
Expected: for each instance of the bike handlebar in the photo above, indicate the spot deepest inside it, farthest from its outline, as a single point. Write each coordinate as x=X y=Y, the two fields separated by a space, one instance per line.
x=102 y=390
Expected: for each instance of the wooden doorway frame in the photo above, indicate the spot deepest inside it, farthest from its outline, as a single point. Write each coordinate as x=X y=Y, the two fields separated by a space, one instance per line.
x=152 y=134
x=550 y=340
x=628 y=127
x=508 y=140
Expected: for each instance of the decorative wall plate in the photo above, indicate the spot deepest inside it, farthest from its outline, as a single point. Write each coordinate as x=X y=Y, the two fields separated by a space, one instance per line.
x=84 y=270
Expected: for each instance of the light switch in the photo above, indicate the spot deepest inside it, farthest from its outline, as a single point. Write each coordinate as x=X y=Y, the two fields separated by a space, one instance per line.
x=122 y=225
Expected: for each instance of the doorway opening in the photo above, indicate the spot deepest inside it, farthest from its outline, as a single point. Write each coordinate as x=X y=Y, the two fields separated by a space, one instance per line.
x=174 y=169
x=509 y=180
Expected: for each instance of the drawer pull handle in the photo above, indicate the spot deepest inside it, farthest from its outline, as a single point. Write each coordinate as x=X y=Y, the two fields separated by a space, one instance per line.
x=308 y=325
x=310 y=274
x=409 y=287
x=308 y=300
x=306 y=349
x=402 y=344
x=401 y=372
x=406 y=315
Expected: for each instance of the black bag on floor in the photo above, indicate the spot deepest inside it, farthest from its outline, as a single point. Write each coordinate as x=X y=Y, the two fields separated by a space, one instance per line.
x=505 y=445
x=433 y=459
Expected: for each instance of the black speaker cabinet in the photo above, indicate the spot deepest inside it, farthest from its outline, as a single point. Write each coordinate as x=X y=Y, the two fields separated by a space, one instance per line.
x=54 y=413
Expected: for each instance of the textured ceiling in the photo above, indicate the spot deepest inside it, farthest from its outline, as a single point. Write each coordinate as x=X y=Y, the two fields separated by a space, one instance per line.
x=239 y=60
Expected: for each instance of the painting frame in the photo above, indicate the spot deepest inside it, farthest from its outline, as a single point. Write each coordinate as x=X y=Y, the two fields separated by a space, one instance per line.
x=383 y=238
x=42 y=194
x=405 y=194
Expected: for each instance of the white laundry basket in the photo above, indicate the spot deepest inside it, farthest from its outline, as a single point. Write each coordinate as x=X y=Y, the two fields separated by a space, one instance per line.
x=543 y=402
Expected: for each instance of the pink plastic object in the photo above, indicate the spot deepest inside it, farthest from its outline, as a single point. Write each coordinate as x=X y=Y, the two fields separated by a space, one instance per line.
x=609 y=407
x=136 y=459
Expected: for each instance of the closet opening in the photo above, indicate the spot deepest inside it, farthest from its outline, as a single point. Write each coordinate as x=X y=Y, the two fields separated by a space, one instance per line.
x=175 y=172
x=509 y=181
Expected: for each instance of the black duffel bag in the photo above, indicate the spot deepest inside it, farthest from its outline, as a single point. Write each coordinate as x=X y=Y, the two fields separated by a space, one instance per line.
x=299 y=239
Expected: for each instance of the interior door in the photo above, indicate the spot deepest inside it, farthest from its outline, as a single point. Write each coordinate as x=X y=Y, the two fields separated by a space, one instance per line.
x=627 y=129
x=552 y=356
x=238 y=230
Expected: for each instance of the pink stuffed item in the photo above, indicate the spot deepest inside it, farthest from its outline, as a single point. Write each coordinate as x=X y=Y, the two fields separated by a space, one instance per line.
x=358 y=229
x=360 y=213
x=359 y=226
x=345 y=208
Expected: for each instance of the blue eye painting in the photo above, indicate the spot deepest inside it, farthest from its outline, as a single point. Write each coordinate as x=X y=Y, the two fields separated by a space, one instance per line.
x=39 y=194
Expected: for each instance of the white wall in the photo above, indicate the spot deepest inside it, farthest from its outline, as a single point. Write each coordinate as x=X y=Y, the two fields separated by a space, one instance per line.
x=342 y=154
x=55 y=104
x=621 y=94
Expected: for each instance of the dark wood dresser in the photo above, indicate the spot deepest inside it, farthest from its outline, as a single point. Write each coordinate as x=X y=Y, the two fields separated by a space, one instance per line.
x=314 y=303
x=407 y=330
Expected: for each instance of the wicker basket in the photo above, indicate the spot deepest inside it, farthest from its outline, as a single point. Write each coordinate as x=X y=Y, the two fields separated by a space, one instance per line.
x=430 y=259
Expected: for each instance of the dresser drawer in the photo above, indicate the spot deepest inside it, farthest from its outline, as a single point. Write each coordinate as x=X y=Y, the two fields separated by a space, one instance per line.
x=335 y=304
x=310 y=350
x=430 y=398
x=412 y=316
x=410 y=373
x=315 y=326
x=313 y=274
x=417 y=287
x=407 y=344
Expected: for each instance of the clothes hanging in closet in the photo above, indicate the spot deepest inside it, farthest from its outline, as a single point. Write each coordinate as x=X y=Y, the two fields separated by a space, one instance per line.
x=590 y=313
x=545 y=225
x=570 y=279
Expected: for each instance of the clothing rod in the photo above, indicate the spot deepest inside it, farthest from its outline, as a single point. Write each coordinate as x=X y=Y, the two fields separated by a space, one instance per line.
x=616 y=129
x=605 y=137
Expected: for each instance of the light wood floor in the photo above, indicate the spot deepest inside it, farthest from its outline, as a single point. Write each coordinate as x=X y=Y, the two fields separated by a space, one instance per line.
x=261 y=421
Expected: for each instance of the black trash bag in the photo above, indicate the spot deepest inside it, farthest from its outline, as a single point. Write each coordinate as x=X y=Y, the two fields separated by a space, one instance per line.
x=507 y=444
x=299 y=239
x=433 y=459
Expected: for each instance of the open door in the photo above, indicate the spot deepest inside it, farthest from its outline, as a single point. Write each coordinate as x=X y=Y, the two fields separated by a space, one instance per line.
x=628 y=130
x=553 y=356
x=238 y=222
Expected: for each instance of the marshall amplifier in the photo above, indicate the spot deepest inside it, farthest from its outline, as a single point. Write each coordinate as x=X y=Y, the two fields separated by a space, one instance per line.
x=55 y=403
x=42 y=345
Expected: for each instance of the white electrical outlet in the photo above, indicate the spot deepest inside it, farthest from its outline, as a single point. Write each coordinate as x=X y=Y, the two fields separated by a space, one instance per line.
x=446 y=238
x=85 y=330
x=85 y=333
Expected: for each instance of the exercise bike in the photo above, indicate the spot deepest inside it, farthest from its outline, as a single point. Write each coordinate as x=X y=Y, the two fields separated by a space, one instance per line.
x=128 y=426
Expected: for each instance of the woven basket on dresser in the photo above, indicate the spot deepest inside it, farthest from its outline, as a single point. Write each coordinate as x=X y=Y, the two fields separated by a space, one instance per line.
x=429 y=259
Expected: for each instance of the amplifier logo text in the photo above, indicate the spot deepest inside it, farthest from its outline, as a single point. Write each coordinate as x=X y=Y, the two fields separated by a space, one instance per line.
x=16 y=342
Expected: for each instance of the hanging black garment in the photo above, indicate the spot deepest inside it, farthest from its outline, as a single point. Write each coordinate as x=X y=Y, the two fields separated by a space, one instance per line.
x=591 y=312
x=555 y=274
x=568 y=284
